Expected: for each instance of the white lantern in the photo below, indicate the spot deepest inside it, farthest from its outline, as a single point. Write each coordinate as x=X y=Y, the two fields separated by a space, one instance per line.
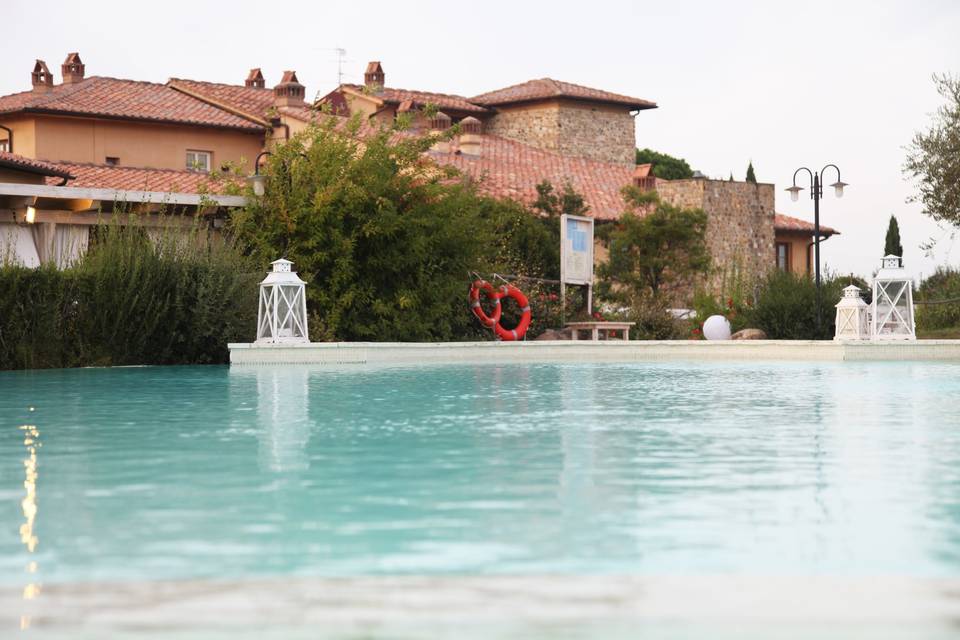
x=716 y=328
x=892 y=309
x=852 y=321
x=282 y=316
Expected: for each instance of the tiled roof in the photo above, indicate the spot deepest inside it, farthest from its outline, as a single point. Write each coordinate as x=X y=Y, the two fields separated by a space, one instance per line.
x=796 y=225
x=549 y=88
x=510 y=169
x=136 y=179
x=128 y=99
x=446 y=101
x=252 y=101
x=14 y=161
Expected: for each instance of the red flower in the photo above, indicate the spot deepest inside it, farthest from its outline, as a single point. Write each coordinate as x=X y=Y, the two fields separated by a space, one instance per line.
x=553 y=296
x=730 y=303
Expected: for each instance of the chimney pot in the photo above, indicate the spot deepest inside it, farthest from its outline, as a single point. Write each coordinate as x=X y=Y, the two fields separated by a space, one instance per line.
x=41 y=77
x=439 y=123
x=374 y=76
x=289 y=93
x=73 y=68
x=255 y=79
x=471 y=130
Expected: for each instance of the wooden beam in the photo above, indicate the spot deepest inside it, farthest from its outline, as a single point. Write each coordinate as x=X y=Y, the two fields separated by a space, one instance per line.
x=119 y=195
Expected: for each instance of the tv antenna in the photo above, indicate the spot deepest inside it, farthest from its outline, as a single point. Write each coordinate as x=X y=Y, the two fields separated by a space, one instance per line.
x=341 y=58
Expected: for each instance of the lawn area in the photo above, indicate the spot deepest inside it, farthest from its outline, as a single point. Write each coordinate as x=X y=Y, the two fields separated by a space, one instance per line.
x=945 y=333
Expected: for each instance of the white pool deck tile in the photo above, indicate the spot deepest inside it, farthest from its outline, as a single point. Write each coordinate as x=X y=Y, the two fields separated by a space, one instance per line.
x=589 y=351
x=487 y=607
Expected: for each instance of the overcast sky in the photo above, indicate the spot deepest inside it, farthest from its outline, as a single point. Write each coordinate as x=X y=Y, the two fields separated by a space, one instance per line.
x=783 y=85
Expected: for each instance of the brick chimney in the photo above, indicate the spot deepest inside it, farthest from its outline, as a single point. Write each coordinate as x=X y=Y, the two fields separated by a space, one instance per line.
x=255 y=79
x=374 y=76
x=439 y=124
x=41 y=77
x=471 y=131
x=73 y=68
x=643 y=177
x=289 y=93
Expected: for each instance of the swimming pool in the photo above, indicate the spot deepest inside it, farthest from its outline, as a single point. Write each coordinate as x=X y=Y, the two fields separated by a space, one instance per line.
x=184 y=473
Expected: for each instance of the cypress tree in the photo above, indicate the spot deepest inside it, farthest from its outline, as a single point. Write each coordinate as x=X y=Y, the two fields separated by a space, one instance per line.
x=751 y=177
x=892 y=246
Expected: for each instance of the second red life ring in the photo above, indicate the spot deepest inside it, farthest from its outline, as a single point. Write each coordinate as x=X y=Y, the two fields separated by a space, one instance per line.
x=517 y=333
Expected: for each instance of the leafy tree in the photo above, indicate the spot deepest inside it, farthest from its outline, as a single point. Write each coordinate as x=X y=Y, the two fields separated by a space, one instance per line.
x=892 y=244
x=751 y=176
x=552 y=205
x=665 y=166
x=664 y=246
x=731 y=177
x=933 y=157
x=526 y=244
x=385 y=240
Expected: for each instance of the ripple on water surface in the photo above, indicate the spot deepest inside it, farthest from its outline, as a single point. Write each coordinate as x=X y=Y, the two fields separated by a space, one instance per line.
x=185 y=472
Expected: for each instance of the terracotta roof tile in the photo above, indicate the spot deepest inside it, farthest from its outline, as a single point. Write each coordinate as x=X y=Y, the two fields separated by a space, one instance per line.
x=111 y=97
x=790 y=224
x=509 y=169
x=446 y=101
x=100 y=176
x=549 y=88
x=253 y=101
x=14 y=161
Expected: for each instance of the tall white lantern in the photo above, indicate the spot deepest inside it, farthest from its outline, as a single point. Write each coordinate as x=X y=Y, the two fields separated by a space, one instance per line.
x=892 y=309
x=852 y=323
x=282 y=316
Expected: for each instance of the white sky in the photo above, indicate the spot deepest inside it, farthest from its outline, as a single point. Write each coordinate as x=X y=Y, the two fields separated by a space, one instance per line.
x=783 y=84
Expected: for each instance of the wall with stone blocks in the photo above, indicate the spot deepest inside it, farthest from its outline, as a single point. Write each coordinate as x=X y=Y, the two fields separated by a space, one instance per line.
x=739 y=226
x=571 y=128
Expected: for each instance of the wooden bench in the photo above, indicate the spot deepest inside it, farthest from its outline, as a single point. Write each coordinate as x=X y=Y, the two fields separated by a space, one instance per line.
x=595 y=327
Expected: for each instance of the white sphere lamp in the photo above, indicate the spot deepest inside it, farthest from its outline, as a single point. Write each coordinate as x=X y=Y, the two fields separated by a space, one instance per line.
x=716 y=328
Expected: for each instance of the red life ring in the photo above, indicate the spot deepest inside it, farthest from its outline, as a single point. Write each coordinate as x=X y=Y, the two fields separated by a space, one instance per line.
x=517 y=333
x=493 y=319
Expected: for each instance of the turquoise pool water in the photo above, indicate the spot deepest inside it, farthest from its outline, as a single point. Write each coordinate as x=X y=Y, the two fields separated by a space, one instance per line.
x=647 y=469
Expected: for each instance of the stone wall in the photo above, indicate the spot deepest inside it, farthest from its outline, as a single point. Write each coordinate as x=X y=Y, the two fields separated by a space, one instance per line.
x=597 y=132
x=740 y=231
x=571 y=128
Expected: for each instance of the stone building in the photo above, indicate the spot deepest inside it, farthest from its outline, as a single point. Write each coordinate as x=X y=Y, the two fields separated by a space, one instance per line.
x=107 y=133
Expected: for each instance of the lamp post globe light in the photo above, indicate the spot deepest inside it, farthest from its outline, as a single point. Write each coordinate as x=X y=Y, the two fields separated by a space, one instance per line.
x=893 y=317
x=816 y=192
x=282 y=313
x=852 y=321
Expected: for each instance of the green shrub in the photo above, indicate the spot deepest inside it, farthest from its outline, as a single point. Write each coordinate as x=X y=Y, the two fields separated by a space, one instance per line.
x=786 y=307
x=943 y=289
x=176 y=298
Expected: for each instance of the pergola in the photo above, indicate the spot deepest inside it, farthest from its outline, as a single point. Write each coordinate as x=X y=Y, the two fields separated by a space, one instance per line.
x=40 y=222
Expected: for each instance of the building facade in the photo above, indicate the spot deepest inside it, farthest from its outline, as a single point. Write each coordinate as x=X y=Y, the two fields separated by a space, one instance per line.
x=105 y=133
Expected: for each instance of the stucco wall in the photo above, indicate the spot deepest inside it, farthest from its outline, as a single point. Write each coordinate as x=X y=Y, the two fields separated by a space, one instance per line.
x=159 y=146
x=572 y=128
x=24 y=135
x=740 y=232
x=798 y=252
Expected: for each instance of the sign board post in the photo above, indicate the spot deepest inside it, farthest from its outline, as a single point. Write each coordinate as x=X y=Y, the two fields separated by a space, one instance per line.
x=576 y=257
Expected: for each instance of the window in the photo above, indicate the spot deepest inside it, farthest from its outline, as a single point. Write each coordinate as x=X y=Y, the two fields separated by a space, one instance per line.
x=199 y=161
x=4 y=145
x=113 y=161
x=783 y=256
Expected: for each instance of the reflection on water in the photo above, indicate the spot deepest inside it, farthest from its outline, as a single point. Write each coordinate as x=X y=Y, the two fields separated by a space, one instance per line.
x=283 y=407
x=31 y=441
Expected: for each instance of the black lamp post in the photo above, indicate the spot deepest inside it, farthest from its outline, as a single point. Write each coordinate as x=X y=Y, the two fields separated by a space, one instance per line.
x=816 y=192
